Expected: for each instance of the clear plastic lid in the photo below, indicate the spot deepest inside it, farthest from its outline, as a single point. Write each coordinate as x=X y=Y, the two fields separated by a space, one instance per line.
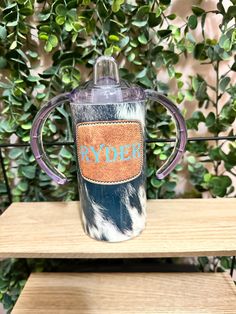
x=106 y=86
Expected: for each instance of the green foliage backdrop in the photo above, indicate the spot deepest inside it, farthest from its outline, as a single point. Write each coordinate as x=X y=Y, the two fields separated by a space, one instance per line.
x=72 y=34
x=47 y=47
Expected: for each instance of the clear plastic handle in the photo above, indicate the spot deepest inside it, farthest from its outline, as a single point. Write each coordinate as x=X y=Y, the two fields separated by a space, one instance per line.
x=36 y=138
x=181 y=137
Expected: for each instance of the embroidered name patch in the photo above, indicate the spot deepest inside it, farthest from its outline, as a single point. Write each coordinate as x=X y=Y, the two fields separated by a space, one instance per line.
x=110 y=152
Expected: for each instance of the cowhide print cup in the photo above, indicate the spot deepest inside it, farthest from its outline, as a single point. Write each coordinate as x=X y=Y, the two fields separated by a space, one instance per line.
x=110 y=145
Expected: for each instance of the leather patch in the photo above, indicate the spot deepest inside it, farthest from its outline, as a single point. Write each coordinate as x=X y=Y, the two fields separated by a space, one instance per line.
x=110 y=152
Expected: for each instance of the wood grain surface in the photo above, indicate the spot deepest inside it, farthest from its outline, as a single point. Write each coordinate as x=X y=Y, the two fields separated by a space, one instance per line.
x=175 y=228
x=97 y=293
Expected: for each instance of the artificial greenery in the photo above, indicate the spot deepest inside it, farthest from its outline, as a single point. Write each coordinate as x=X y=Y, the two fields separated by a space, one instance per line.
x=70 y=35
x=73 y=34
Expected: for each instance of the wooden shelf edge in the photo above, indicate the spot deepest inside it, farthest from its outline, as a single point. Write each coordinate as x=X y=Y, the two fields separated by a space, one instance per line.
x=96 y=293
x=112 y=255
x=175 y=228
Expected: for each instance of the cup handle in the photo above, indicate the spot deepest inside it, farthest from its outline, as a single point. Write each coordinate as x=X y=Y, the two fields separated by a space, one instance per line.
x=181 y=138
x=36 y=138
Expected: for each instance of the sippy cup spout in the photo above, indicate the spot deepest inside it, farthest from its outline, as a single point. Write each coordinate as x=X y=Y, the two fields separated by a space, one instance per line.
x=106 y=72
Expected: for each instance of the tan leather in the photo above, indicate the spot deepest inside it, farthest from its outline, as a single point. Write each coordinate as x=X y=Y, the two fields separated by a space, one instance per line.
x=110 y=152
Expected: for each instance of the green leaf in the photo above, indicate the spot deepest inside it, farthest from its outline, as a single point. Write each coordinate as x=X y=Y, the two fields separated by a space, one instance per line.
x=27 y=126
x=199 y=51
x=40 y=96
x=61 y=10
x=108 y=51
x=169 y=186
x=164 y=33
x=197 y=11
x=180 y=84
x=13 y=45
x=32 y=78
x=225 y=43
x=225 y=262
x=190 y=37
x=157 y=151
x=219 y=185
x=23 y=186
x=10 y=6
x=63 y=112
x=158 y=11
x=134 y=44
x=102 y=10
x=224 y=82
x=5 y=85
x=3 y=284
x=52 y=128
x=12 y=24
x=61 y=167
x=145 y=80
x=217 y=154
x=171 y=73
x=150 y=172
x=26 y=138
x=29 y=171
x=15 y=153
x=142 y=11
x=53 y=40
x=113 y=38
x=196 y=81
x=139 y=23
x=155 y=51
x=231 y=13
x=210 y=119
x=171 y=16
x=33 y=54
x=156 y=183
x=43 y=17
x=60 y=20
x=25 y=116
x=3 y=62
x=51 y=43
x=220 y=7
x=194 y=121
x=233 y=68
x=7 y=126
x=142 y=39
x=45 y=28
x=27 y=9
x=50 y=71
x=7 y=301
x=43 y=36
x=207 y=177
x=192 y=21
x=116 y=5
x=179 y=168
x=124 y=41
x=163 y=157
x=189 y=95
x=154 y=19
x=3 y=33
x=192 y=160
x=131 y=57
x=66 y=78
x=201 y=93
x=65 y=153
x=165 y=2
x=142 y=73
